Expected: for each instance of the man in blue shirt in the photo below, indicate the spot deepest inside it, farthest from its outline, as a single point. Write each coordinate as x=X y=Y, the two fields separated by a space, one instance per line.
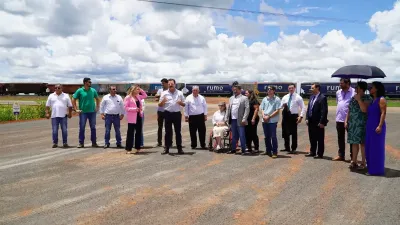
x=270 y=107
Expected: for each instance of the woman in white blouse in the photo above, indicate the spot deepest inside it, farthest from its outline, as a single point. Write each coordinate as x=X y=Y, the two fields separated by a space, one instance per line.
x=219 y=125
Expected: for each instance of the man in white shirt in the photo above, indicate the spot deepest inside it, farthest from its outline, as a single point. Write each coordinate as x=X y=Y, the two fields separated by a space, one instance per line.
x=160 y=111
x=196 y=114
x=292 y=114
x=172 y=100
x=112 y=111
x=59 y=103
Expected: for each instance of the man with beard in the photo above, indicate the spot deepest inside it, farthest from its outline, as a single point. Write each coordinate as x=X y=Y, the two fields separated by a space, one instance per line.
x=87 y=110
x=343 y=98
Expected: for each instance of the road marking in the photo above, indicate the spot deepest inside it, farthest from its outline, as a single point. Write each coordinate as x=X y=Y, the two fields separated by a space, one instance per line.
x=49 y=155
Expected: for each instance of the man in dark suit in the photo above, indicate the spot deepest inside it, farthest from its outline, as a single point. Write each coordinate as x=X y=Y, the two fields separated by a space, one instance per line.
x=316 y=119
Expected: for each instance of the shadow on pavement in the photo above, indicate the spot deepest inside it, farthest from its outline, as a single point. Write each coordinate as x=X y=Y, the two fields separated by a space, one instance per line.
x=389 y=173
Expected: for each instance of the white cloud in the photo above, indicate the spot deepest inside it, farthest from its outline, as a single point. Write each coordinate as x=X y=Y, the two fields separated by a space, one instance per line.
x=128 y=40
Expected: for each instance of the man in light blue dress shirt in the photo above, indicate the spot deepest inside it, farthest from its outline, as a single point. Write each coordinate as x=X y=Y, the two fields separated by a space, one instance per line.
x=270 y=107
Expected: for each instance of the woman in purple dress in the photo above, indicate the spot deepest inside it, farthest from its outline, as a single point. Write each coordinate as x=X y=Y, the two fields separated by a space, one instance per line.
x=376 y=131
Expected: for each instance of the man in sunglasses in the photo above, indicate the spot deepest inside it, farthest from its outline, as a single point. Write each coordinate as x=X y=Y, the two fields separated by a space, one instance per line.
x=112 y=112
x=60 y=104
x=87 y=110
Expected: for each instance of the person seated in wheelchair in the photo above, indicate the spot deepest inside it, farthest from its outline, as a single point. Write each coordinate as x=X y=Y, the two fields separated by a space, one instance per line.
x=220 y=127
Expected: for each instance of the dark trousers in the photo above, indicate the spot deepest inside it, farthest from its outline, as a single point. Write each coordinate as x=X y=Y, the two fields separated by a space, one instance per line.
x=134 y=134
x=291 y=121
x=174 y=118
x=160 y=120
x=197 y=124
x=271 y=141
x=251 y=135
x=317 y=139
x=341 y=133
x=109 y=121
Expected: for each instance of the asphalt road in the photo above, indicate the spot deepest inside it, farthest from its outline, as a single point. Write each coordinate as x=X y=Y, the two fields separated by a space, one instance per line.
x=41 y=185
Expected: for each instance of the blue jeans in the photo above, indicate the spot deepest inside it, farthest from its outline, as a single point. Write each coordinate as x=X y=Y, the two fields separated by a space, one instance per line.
x=112 y=120
x=238 y=132
x=271 y=142
x=55 y=123
x=83 y=117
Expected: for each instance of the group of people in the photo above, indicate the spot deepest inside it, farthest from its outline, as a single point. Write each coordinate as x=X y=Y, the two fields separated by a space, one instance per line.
x=361 y=115
x=113 y=108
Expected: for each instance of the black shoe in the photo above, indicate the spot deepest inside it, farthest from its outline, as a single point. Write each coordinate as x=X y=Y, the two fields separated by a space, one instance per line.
x=81 y=146
x=285 y=150
x=54 y=146
x=292 y=152
x=120 y=146
x=166 y=151
x=310 y=155
x=159 y=145
x=194 y=147
x=318 y=157
x=181 y=152
x=231 y=152
x=203 y=147
x=65 y=145
x=106 y=146
x=95 y=145
x=245 y=153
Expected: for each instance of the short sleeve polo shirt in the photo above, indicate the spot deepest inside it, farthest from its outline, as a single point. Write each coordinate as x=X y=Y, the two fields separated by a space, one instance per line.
x=86 y=99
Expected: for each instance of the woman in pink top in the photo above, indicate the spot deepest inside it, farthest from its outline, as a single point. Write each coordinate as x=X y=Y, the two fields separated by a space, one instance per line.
x=133 y=108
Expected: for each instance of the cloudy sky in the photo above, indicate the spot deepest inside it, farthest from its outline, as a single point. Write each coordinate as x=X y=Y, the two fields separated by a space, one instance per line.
x=136 y=41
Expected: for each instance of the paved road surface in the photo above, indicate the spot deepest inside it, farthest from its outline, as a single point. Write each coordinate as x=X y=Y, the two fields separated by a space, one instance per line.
x=41 y=185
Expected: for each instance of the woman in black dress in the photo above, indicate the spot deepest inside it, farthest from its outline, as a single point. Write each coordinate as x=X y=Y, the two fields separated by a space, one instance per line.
x=252 y=119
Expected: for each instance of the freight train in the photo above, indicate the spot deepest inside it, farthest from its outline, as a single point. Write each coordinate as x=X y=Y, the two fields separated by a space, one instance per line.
x=207 y=89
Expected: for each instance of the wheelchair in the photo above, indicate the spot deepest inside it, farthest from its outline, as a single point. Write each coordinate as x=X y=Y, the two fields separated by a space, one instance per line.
x=226 y=140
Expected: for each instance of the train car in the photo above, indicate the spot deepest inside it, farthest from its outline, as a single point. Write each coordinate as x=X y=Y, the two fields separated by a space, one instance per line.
x=329 y=89
x=281 y=88
x=104 y=88
x=211 y=89
x=392 y=89
x=26 y=88
x=2 y=89
x=153 y=88
x=71 y=88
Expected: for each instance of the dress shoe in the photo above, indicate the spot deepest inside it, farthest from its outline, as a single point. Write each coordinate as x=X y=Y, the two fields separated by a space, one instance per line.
x=310 y=155
x=65 y=145
x=166 y=151
x=338 y=158
x=54 y=146
x=120 y=146
x=318 y=157
x=106 y=145
x=95 y=145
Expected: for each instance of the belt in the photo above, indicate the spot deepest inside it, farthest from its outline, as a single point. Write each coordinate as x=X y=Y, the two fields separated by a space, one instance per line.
x=171 y=112
x=112 y=114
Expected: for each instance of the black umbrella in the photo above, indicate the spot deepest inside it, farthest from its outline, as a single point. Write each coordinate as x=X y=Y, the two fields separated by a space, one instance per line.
x=359 y=71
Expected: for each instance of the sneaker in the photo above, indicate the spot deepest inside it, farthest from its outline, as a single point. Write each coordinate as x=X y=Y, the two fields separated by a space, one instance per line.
x=274 y=156
x=81 y=146
x=120 y=146
x=106 y=145
x=95 y=145
x=54 y=146
x=218 y=147
x=65 y=145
